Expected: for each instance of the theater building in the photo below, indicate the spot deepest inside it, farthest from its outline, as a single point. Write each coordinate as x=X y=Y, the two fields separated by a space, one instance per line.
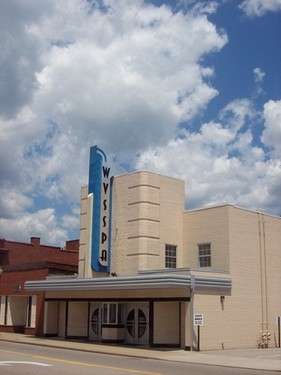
x=152 y=273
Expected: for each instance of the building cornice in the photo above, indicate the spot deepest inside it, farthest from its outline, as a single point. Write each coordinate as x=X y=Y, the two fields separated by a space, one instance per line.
x=40 y=266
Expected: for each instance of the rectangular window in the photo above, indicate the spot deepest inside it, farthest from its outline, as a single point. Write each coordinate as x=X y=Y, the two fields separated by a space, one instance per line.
x=6 y=310
x=204 y=251
x=112 y=313
x=170 y=256
x=2 y=309
x=120 y=314
x=105 y=313
x=29 y=311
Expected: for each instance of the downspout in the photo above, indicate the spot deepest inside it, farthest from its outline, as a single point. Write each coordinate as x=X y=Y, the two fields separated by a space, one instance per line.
x=261 y=272
x=265 y=274
x=264 y=333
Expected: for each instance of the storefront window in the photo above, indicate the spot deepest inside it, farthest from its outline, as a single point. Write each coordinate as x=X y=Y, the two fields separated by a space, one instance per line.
x=105 y=313
x=120 y=314
x=112 y=313
x=29 y=311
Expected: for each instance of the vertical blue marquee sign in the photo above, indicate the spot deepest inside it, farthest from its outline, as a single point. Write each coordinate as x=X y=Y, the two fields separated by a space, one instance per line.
x=100 y=185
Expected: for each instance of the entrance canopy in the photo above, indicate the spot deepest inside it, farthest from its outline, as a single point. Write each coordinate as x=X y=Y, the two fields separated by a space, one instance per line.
x=152 y=308
x=191 y=282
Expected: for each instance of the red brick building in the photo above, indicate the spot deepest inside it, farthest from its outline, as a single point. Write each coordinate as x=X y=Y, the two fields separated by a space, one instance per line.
x=20 y=310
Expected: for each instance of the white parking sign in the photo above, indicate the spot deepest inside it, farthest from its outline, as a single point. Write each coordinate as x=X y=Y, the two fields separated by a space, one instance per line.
x=198 y=319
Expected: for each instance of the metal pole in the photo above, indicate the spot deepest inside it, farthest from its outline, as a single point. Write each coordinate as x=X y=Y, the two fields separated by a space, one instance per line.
x=198 y=337
x=192 y=289
x=279 y=318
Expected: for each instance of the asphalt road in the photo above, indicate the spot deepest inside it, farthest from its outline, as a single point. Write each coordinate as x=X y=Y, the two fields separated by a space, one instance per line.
x=19 y=359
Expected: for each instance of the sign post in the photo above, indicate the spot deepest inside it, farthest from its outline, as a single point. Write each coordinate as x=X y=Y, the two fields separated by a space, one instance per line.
x=198 y=320
x=278 y=324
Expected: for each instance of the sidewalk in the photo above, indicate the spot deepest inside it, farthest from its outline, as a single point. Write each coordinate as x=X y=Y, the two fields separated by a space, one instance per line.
x=258 y=359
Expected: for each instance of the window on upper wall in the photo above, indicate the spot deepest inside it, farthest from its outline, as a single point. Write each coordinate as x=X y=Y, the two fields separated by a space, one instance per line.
x=204 y=252
x=170 y=256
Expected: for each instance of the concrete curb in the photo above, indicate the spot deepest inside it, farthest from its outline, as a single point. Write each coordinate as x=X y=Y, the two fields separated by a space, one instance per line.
x=259 y=359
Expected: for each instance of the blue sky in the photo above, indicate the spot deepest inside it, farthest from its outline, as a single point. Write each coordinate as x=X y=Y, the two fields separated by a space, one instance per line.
x=189 y=89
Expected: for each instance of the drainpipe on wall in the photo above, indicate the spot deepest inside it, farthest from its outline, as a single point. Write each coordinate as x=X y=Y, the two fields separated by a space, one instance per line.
x=264 y=333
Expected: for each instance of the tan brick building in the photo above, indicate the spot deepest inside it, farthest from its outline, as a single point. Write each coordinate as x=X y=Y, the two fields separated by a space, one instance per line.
x=162 y=266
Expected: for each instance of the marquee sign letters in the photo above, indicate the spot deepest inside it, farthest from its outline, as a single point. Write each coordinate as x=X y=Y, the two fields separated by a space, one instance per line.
x=100 y=186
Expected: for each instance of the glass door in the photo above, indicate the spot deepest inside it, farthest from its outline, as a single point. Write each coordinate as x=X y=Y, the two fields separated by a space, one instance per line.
x=95 y=322
x=137 y=324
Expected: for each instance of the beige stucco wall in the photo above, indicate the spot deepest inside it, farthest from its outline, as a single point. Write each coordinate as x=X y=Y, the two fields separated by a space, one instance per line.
x=255 y=257
x=147 y=214
x=113 y=333
x=51 y=313
x=206 y=226
x=78 y=320
x=166 y=328
x=251 y=251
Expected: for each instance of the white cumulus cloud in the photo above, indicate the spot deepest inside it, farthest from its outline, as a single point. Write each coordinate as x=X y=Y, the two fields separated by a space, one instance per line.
x=133 y=78
x=42 y=223
x=272 y=132
x=257 y=8
x=220 y=163
x=123 y=75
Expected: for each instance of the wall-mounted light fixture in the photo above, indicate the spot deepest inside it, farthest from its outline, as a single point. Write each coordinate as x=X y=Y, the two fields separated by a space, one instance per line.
x=16 y=287
x=222 y=302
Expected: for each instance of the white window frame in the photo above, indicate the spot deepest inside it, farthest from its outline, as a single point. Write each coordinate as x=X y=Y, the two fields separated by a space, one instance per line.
x=112 y=313
x=205 y=258
x=170 y=256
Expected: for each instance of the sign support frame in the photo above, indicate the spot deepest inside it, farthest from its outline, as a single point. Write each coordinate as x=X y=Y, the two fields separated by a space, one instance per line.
x=198 y=321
